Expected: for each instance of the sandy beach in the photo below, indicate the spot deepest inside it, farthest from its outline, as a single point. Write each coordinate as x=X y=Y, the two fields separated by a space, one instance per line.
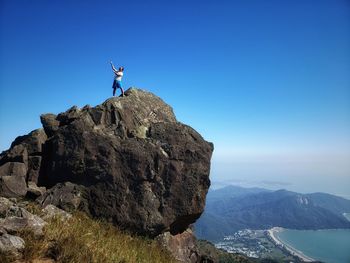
x=289 y=248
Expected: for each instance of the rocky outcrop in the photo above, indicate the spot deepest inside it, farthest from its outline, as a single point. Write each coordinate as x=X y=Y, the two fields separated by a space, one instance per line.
x=15 y=218
x=21 y=164
x=13 y=186
x=67 y=196
x=10 y=244
x=182 y=247
x=127 y=160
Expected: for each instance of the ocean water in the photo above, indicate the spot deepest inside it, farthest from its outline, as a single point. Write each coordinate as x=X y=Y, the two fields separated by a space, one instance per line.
x=330 y=246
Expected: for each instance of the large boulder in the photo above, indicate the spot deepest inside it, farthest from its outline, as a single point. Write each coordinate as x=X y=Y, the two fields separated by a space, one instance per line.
x=127 y=160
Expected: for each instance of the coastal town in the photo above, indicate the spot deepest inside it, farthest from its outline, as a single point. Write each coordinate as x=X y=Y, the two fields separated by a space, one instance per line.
x=261 y=244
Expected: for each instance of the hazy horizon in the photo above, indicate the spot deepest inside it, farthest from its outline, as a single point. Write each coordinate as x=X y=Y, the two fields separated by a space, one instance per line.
x=273 y=186
x=303 y=173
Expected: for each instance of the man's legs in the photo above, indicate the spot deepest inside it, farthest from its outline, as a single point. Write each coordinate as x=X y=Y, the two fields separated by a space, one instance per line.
x=119 y=86
x=114 y=87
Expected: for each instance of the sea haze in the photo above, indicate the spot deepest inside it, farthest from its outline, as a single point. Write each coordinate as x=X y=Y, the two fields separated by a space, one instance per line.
x=302 y=173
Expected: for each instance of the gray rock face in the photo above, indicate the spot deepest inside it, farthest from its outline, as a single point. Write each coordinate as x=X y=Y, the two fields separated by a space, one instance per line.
x=33 y=142
x=21 y=163
x=10 y=244
x=13 y=186
x=127 y=160
x=12 y=179
x=183 y=247
x=13 y=168
x=17 y=153
x=67 y=196
x=51 y=211
x=23 y=220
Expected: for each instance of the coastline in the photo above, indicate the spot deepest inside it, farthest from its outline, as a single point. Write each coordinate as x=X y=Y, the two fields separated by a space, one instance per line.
x=293 y=251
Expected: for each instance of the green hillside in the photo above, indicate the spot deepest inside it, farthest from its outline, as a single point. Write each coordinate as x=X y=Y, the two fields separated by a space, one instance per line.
x=228 y=211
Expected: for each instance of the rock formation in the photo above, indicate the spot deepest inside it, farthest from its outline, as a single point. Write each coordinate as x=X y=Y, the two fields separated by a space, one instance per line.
x=21 y=163
x=182 y=246
x=127 y=160
x=15 y=218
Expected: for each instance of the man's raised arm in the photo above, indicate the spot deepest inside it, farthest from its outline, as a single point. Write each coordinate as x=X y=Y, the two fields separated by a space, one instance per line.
x=113 y=68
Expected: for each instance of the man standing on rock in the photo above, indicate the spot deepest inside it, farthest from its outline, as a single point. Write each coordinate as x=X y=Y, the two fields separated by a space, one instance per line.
x=117 y=83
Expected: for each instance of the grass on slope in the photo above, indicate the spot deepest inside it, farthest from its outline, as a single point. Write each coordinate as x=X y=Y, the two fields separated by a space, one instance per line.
x=81 y=239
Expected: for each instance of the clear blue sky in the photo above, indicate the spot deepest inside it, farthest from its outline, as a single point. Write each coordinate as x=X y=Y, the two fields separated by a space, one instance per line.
x=266 y=81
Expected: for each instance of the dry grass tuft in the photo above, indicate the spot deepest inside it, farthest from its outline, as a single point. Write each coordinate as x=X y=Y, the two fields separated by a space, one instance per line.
x=81 y=239
x=6 y=258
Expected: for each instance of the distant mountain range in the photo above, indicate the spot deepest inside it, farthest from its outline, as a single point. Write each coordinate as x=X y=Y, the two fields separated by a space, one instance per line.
x=233 y=208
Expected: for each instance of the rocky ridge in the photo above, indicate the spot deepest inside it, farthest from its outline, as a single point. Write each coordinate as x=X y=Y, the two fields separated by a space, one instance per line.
x=128 y=161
